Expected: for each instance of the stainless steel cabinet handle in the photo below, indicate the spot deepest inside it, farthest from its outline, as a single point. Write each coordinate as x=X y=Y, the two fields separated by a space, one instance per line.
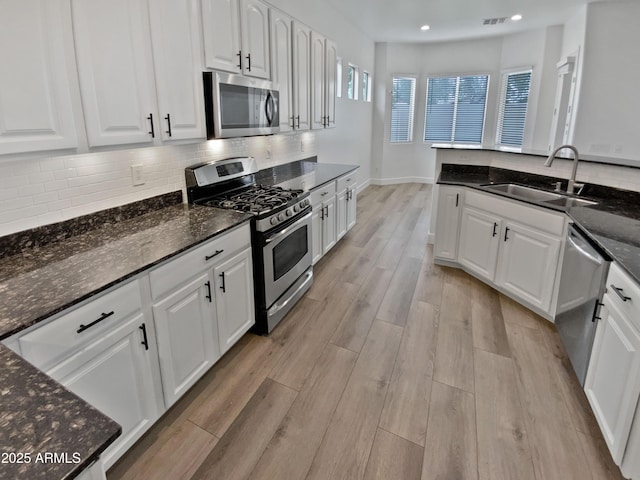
x=620 y=293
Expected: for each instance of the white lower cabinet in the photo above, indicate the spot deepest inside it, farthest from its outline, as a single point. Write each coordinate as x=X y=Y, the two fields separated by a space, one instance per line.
x=346 y=200
x=202 y=305
x=187 y=336
x=323 y=220
x=479 y=241
x=234 y=299
x=527 y=264
x=448 y=222
x=114 y=374
x=518 y=257
x=613 y=378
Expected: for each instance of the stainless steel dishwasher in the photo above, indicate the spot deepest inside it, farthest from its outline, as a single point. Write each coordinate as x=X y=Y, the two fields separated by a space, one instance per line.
x=582 y=285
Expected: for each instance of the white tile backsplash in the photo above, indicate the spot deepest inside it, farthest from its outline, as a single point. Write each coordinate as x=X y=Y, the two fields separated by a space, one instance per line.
x=46 y=190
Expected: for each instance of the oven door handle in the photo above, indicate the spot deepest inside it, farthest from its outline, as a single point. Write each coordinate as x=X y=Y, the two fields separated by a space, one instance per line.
x=287 y=230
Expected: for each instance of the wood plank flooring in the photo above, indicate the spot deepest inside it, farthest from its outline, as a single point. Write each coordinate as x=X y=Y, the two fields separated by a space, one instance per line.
x=390 y=367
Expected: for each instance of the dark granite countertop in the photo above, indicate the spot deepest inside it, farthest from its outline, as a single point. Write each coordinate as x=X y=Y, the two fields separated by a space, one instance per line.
x=44 y=280
x=38 y=416
x=613 y=223
x=51 y=268
x=305 y=174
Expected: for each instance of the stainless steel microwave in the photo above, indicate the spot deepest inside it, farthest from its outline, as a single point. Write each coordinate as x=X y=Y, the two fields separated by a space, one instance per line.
x=238 y=106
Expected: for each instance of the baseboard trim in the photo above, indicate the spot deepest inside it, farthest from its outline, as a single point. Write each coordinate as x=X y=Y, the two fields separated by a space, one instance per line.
x=363 y=185
x=398 y=180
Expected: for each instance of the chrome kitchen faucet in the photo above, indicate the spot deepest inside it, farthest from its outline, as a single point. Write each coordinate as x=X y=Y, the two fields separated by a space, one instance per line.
x=576 y=158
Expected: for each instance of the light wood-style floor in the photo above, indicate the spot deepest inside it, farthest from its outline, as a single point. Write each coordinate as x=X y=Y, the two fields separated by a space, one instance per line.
x=389 y=368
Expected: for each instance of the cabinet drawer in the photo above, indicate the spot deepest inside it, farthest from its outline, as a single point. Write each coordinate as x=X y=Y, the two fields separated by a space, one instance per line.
x=182 y=268
x=321 y=194
x=627 y=288
x=348 y=180
x=66 y=334
x=538 y=218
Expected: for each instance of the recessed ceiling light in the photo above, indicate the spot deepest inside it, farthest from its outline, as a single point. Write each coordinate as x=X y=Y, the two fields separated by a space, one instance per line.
x=424 y=28
x=516 y=17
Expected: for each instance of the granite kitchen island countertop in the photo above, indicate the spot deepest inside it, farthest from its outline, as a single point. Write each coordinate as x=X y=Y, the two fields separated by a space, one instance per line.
x=613 y=223
x=51 y=268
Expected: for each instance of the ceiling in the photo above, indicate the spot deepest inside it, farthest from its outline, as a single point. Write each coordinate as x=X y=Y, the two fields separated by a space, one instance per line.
x=400 y=20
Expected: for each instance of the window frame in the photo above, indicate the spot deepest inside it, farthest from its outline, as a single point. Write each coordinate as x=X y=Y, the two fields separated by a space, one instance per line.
x=504 y=75
x=415 y=78
x=338 y=77
x=484 y=116
x=366 y=88
x=356 y=81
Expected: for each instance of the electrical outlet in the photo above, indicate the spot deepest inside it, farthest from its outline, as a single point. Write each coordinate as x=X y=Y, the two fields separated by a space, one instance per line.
x=136 y=175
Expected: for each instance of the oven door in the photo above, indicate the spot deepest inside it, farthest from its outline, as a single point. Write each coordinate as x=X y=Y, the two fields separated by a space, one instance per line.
x=287 y=255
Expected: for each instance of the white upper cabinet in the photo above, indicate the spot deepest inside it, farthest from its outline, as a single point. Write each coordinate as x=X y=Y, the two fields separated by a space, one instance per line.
x=236 y=36
x=323 y=81
x=317 y=81
x=331 y=58
x=301 y=76
x=177 y=57
x=115 y=68
x=221 y=25
x=35 y=99
x=282 y=64
x=254 y=26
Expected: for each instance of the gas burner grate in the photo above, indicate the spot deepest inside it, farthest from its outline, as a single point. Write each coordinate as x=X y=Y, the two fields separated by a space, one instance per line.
x=255 y=199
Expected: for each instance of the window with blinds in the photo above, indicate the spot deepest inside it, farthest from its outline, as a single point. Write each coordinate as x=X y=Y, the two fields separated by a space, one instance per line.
x=455 y=109
x=402 y=106
x=512 y=115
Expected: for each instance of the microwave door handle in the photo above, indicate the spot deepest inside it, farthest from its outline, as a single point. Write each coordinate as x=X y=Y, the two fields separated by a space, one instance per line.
x=268 y=108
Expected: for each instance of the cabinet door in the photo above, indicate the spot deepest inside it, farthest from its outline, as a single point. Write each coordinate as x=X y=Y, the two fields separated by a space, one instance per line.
x=317 y=81
x=113 y=50
x=114 y=375
x=447 y=222
x=187 y=336
x=301 y=76
x=479 y=242
x=527 y=265
x=35 y=98
x=331 y=57
x=352 y=199
x=342 y=207
x=281 y=65
x=613 y=379
x=177 y=57
x=316 y=232
x=234 y=298
x=221 y=30
x=254 y=27
x=329 y=225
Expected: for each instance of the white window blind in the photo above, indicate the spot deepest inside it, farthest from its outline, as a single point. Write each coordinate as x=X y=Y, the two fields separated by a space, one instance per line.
x=402 y=105
x=455 y=109
x=514 y=97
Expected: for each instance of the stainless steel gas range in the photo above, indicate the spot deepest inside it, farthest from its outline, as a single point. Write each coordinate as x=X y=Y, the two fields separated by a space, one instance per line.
x=281 y=231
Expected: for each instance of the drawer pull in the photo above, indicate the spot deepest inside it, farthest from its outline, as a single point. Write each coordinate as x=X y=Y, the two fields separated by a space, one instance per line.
x=82 y=327
x=215 y=254
x=323 y=194
x=144 y=341
x=620 y=293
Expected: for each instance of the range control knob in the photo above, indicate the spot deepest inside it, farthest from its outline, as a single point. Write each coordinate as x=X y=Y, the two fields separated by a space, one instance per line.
x=289 y=212
x=273 y=220
x=296 y=209
x=280 y=217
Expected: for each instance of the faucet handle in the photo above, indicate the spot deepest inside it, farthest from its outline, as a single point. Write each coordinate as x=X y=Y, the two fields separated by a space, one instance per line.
x=558 y=186
x=577 y=188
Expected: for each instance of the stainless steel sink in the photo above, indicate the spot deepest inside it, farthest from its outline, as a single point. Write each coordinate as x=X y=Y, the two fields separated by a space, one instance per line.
x=529 y=193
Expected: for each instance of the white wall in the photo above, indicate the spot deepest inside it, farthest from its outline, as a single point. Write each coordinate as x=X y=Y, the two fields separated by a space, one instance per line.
x=45 y=188
x=607 y=122
x=415 y=161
